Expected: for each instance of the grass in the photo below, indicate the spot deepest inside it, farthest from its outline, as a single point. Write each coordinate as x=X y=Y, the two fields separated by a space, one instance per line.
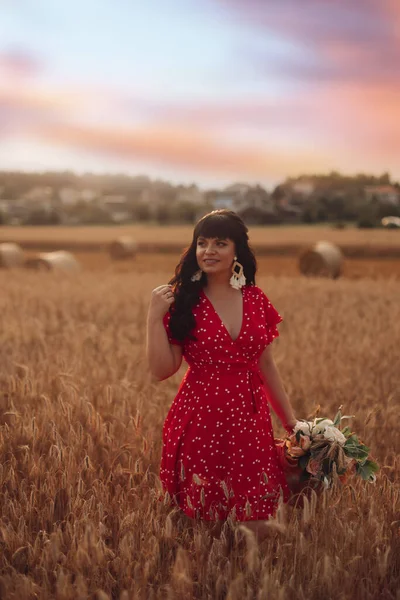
x=80 y=444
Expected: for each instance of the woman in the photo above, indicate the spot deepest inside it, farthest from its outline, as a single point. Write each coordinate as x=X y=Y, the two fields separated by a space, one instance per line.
x=219 y=457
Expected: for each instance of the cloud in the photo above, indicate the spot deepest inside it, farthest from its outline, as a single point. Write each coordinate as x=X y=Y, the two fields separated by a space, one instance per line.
x=306 y=132
x=341 y=61
x=331 y=41
x=20 y=63
x=184 y=148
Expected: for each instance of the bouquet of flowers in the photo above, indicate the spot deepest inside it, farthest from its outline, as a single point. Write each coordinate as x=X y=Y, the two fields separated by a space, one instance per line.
x=318 y=451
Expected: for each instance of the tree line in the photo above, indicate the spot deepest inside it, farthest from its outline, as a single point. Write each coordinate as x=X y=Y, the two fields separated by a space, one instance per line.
x=333 y=197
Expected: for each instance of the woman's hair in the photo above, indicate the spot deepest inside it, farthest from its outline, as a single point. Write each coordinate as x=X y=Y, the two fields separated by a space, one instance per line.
x=221 y=224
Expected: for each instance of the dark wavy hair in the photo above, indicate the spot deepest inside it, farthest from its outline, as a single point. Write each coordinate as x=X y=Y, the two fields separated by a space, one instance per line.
x=222 y=224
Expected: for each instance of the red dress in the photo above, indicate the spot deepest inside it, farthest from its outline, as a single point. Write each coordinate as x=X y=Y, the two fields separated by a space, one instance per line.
x=219 y=458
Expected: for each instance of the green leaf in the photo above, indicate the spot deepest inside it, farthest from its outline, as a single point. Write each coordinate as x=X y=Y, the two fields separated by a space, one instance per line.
x=357 y=451
x=337 y=418
x=352 y=439
x=346 y=431
x=367 y=470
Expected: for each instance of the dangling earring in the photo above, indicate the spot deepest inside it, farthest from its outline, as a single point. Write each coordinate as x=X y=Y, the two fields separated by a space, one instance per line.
x=238 y=279
x=197 y=276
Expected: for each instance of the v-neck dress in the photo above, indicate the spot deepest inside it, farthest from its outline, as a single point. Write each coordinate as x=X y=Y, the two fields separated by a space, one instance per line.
x=219 y=458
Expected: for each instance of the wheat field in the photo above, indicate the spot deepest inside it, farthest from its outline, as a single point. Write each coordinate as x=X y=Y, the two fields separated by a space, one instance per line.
x=80 y=444
x=171 y=234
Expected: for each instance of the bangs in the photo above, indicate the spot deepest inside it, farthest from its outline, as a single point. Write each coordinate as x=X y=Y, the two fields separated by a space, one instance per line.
x=217 y=226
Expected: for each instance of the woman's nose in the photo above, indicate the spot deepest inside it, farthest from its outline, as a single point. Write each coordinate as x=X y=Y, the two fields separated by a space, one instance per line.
x=209 y=250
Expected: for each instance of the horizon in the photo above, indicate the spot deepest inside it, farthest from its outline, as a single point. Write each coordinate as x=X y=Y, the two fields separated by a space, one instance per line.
x=302 y=176
x=208 y=93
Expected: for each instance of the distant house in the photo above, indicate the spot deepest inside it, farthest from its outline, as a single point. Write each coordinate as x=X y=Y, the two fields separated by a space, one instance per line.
x=240 y=196
x=252 y=203
x=289 y=211
x=232 y=197
x=38 y=194
x=288 y=205
x=68 y=196
x=15 y=210
x=38 y=198
x=384 y=194
x=303 y=187
x=224 y=201
x=88 y=195
x=117 y=207
x=294 y=193
x=190 y=194
x=4 y=206
x=71 y=196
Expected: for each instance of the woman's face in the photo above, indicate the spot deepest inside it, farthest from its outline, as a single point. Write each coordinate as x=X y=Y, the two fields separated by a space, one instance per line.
x=215 y=255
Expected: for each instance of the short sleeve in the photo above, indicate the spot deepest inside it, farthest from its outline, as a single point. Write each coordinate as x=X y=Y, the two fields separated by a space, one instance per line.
x=271 y=316
x=171 y=339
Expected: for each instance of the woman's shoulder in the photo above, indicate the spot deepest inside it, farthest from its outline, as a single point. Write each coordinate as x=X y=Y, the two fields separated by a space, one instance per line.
x=257 y=295
x=254 y=291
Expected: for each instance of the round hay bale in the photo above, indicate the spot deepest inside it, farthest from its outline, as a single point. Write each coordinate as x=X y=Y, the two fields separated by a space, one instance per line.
x=123 y=248
x=324 y=259
x=54 y=261
x=391 y=222
x=11 y=255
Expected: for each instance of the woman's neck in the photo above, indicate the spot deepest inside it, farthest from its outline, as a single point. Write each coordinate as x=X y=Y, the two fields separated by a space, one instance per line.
x=218 y=284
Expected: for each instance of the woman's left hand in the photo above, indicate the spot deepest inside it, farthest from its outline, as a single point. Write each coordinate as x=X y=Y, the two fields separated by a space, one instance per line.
x=290 y=425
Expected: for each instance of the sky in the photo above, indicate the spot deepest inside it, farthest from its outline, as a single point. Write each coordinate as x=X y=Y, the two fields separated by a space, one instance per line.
x=201 y=91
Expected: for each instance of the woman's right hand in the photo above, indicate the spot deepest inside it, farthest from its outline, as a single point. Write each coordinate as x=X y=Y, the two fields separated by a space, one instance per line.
x=161 y=299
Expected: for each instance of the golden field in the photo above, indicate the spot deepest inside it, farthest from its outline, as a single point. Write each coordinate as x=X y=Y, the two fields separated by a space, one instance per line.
x=268 y=241
x=167 y=234
x=287 y=266
x=367 y=253
x=80 y=444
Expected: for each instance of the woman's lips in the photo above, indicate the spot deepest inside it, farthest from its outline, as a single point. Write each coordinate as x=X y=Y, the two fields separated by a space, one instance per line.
x=210 y=261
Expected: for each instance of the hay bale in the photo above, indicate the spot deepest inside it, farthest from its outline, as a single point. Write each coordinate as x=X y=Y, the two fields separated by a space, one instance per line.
x=391 y=222
x=324 y=259
x=54 y=261
x=123 y=248
x=11 y=255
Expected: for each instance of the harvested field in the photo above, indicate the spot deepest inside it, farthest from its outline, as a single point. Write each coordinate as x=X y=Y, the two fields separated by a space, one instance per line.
x=170 y=234
x=285 y=240
x=80 y=443
x=374 y=254
x=286 y=266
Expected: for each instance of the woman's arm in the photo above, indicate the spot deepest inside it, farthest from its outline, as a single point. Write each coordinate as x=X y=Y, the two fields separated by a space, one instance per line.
x=275 y=390
x=164 y=358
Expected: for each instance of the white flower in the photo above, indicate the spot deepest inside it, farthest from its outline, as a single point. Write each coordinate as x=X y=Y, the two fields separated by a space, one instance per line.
x=303 y=426
x=321 y=426
x=325 y=427
x=334 y=435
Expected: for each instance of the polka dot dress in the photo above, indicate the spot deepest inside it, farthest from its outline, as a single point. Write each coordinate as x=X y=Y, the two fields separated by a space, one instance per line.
x=218 y=457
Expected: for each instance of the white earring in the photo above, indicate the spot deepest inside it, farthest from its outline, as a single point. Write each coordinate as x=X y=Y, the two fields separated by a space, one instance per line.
x=197 y=275
x=238 y=279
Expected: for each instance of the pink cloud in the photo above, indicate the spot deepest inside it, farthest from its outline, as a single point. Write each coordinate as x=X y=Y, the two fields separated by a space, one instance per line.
x=18 y=63
x=333 y=41
x=185 y=148
x=349 y=121
x=347 y=76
